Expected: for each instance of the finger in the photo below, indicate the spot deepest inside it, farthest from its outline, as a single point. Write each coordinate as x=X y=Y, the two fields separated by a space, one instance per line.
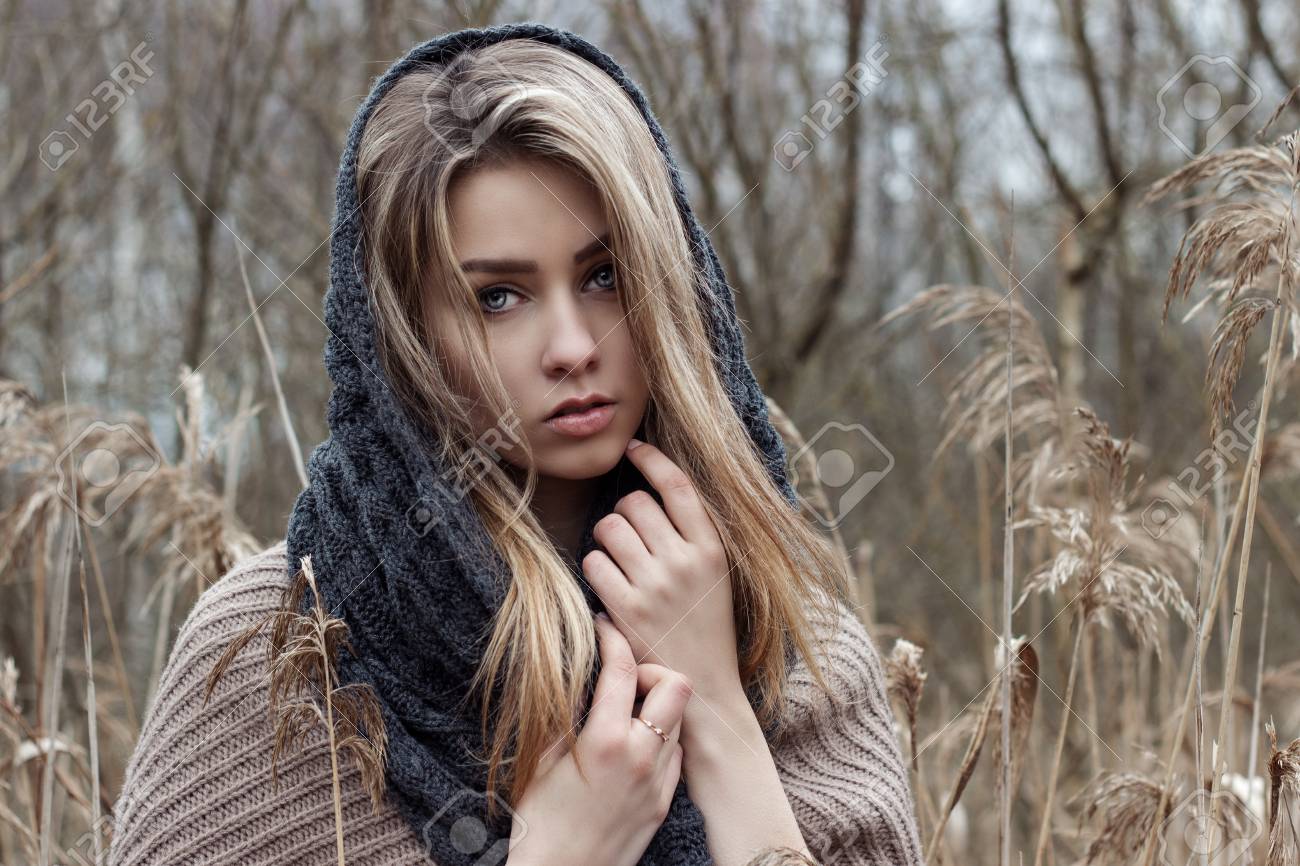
x=648 y=675
x=616 y=685
x=681 y=501
x=607 y=579
x=623 y=543
x=673 y=774
x=667 y=693
x=648 y=519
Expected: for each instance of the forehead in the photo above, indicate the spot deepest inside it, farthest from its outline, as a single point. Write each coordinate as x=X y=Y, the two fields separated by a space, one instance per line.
x=534 y=208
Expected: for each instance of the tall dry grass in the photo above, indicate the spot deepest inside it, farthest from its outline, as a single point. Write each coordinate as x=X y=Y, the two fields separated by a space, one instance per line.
x=1118 y=714
x=1122 y=591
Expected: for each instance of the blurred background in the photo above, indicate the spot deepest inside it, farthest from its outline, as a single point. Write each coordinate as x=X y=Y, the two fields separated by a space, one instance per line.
x=964 y=165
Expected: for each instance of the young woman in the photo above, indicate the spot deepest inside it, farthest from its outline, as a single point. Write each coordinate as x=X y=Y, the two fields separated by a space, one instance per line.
x=541 y=410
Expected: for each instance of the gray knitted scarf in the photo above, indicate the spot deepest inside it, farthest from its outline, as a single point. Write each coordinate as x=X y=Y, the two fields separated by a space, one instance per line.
x=408 y=565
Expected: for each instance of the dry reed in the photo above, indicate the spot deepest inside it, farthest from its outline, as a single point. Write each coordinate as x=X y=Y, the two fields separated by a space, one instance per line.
x=1247 y=232
x=302 y=657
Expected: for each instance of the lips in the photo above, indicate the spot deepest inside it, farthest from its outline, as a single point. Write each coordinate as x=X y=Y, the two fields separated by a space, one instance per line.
x=586 y=422
x=575 y=405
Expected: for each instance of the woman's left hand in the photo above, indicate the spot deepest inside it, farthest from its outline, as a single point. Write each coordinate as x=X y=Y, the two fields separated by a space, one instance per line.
x=665 y=579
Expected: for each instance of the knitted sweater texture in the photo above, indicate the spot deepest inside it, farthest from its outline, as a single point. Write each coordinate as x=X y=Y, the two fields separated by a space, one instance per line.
x=199 y=789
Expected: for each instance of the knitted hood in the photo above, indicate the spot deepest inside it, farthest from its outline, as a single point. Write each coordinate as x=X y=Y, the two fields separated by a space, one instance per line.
x=406 y=562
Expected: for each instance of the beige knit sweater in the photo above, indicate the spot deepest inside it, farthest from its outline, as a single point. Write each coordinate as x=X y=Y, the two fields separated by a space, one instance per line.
x=198 y=787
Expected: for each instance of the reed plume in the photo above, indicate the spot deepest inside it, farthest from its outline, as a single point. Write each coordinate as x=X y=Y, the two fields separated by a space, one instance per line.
x=1243 y=249
x=1107 y=563
x=1024 y=697
x=974 y=410
x=1023 y=672
x=905 y=680
x=1284 y=801
x=1129 y=806
x=185 y=507
x=302 y=657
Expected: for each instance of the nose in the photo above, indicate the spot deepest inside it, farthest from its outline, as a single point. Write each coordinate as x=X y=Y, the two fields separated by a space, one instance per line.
x=571 y=347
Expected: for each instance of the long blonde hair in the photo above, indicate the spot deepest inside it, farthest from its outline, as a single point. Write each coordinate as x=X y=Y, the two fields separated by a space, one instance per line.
x=531 y=98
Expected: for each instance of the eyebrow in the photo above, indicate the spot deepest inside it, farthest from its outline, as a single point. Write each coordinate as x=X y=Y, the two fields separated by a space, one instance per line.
x=528 y=266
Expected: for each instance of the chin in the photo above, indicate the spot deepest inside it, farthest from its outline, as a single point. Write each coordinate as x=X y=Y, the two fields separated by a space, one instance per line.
x=582 y=460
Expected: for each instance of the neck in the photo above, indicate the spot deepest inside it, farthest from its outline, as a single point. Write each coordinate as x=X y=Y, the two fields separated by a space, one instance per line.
x=560 y=506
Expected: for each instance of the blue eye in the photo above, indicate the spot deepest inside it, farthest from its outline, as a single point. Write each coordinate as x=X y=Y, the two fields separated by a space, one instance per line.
x=489 y=292
x=604 y=276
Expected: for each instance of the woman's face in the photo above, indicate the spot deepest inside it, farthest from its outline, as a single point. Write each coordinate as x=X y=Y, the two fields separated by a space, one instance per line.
x=533 y=241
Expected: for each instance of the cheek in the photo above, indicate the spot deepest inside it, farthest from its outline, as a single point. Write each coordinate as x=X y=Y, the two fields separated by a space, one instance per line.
x=515 y=363
x=453 y=357
x=455 y=367
x=456 y=362
x=620 y=352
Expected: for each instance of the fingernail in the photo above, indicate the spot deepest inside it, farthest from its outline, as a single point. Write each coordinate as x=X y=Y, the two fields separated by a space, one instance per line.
x=633 y=443
x=603 y=615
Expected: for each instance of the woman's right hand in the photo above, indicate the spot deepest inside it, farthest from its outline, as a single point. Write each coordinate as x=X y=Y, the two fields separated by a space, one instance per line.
x=631 y=773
